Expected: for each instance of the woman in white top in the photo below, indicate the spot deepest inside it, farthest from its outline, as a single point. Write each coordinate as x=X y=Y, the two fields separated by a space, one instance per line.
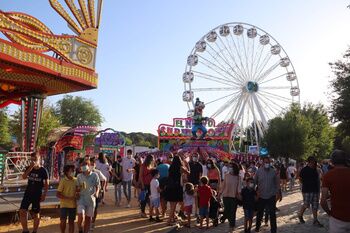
x=106 y=169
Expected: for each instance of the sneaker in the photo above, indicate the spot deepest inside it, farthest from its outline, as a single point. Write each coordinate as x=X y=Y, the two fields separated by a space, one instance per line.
x=317 y=224
x=151 y=219
x=143 y=215
x=182 y=215
x=128 y=206
x=301 y=219
x=198 y=220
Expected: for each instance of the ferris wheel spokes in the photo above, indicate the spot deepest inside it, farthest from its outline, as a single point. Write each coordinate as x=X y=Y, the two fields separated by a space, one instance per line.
x=212 y=78
x=271 y=79
x=244 y=75
x=225 y=60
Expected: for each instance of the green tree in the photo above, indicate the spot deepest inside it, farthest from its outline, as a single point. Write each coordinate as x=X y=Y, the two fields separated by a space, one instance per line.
x=286 y=135
x=49 y=121
x=341 y=95
x=5 y=137
x=299 y=133
x=76 y=111
x=346 y=144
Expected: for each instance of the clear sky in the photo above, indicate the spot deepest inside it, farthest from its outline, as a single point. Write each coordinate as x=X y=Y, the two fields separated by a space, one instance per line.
x=143 y=47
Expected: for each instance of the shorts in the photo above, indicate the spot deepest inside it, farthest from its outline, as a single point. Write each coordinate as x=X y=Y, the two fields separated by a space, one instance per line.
x=34 y=200
x=155 y=202
x=204 y=211
x=68 y=212
x=312 y=199
x=86 y=210
x=248 y=213
x=188 y=209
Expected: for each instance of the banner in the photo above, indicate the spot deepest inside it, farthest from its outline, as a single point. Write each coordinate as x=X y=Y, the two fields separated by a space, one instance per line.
x=69 y=141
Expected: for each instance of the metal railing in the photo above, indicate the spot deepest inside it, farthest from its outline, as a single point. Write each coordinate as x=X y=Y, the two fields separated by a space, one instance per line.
x=15 y=164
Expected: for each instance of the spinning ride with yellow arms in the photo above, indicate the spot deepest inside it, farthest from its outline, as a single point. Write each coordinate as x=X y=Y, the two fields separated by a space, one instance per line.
x=35 y=62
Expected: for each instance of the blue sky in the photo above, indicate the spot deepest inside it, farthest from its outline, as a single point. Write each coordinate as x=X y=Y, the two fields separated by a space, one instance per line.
x=143 y=47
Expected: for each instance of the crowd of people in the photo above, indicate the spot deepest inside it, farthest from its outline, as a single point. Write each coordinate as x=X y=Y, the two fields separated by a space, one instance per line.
x=185 y=185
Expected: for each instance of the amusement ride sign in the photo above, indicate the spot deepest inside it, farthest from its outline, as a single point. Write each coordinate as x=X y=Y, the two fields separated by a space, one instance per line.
x=182 y=127
x=178 y=135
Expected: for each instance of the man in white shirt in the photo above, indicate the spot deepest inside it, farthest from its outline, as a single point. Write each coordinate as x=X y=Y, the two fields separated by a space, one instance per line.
x=291 y=173
x=128 y=164
x=103 y=181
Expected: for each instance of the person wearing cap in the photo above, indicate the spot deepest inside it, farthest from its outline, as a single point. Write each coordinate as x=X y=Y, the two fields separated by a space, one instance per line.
x=336 y=187
x=310 y=181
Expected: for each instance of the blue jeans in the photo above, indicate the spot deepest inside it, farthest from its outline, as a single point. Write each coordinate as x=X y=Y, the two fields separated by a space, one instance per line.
x=118 y=193
x=127 y=184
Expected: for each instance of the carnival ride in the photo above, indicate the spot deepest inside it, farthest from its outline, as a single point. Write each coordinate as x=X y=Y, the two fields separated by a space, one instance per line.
x=35 y=62
x=243 y=74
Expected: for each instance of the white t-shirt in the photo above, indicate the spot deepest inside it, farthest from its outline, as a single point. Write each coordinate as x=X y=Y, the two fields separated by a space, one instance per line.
x=104 y=168
x=188 y=199
x=154 y=189
x=128 y=164
x=224 y=170
x=100 y=175
x=291 y=170
x=205 y=170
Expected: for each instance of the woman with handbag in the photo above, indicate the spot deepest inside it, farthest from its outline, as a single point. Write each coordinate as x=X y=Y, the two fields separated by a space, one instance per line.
x=174 y=188
x=230 y=192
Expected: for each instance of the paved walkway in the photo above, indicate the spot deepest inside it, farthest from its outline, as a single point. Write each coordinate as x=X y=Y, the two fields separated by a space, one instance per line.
x=287 y=221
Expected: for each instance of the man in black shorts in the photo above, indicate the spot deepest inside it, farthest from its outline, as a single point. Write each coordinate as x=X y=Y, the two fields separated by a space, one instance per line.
x=37 y=180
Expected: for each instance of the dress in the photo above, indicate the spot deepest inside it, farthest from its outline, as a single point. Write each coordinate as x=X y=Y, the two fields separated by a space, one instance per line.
x=283 y=173
x=174 y=190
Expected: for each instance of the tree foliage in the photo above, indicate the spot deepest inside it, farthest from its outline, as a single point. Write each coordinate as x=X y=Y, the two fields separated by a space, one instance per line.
x=49 y=122
x=341 y=94
x=5 y=136
x=141 y=139
x=299 y=133
x=77 y=111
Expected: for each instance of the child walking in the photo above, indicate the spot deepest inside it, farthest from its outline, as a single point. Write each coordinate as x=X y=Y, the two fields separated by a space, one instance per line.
x=155 y=196
x=249 y=198
x=204 y=194
x=188 y=202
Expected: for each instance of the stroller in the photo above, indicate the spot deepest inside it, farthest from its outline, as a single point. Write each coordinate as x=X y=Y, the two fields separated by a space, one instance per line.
x=215 y=210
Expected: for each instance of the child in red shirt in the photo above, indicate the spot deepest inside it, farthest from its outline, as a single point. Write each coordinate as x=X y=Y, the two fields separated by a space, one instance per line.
x=204 y=194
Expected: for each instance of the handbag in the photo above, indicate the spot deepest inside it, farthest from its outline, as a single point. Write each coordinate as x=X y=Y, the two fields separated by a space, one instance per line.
x=142 y=195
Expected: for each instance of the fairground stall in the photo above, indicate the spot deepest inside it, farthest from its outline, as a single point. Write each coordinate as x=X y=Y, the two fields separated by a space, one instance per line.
x=35 y=63
x=80 y=141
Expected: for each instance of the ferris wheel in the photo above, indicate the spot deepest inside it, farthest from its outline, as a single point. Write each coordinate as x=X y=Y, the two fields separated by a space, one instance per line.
x=243 y=75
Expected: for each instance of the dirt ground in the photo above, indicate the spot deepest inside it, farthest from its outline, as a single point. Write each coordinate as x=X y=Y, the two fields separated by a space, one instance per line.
x=113 y=219
x=110 y=219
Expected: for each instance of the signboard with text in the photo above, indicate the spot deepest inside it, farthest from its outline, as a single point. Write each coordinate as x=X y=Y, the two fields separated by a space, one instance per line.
x=177 y=135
